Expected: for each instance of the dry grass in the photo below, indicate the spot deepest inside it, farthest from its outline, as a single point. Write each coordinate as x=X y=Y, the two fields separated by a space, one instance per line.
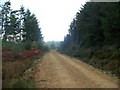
x=11 y=71
x=15 y=65
x=14 y=69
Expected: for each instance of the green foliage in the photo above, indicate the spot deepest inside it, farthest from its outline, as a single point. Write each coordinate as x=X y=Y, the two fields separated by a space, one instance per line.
x=21 y=29
x=80 y=53
x=27 y=45
x=34 y=45
x=21 y=32
x=45 y=48
x=20 y=84
x=94 y=35
x=14 y=47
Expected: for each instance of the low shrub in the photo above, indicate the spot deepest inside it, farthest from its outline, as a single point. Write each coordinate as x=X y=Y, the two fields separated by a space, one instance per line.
x=21 y=84
x=13 y=47
x=13 y=69
x=28 y=45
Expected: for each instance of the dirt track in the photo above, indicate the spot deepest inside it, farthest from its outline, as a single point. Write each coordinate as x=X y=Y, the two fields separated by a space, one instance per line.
x=59 y=71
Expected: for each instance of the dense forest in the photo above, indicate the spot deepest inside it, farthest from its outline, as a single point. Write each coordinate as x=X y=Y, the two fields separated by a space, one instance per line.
x=19 y=29
x=22 y=45
x=94 y=36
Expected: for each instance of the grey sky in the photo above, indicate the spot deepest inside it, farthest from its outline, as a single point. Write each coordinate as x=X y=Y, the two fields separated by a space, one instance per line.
x=55 y=16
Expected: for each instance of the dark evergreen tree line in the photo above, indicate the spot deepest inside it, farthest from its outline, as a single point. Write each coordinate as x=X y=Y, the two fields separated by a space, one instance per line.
x=94 y=35
x=20 y=27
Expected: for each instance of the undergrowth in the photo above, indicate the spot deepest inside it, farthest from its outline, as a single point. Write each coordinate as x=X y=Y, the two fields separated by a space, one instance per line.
x=19 y=74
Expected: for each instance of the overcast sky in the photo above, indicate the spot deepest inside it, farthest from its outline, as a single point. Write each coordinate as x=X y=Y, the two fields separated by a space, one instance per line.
x=55 y=16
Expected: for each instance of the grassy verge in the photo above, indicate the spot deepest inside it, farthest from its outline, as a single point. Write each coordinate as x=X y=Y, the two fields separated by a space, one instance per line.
x=19 y=73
